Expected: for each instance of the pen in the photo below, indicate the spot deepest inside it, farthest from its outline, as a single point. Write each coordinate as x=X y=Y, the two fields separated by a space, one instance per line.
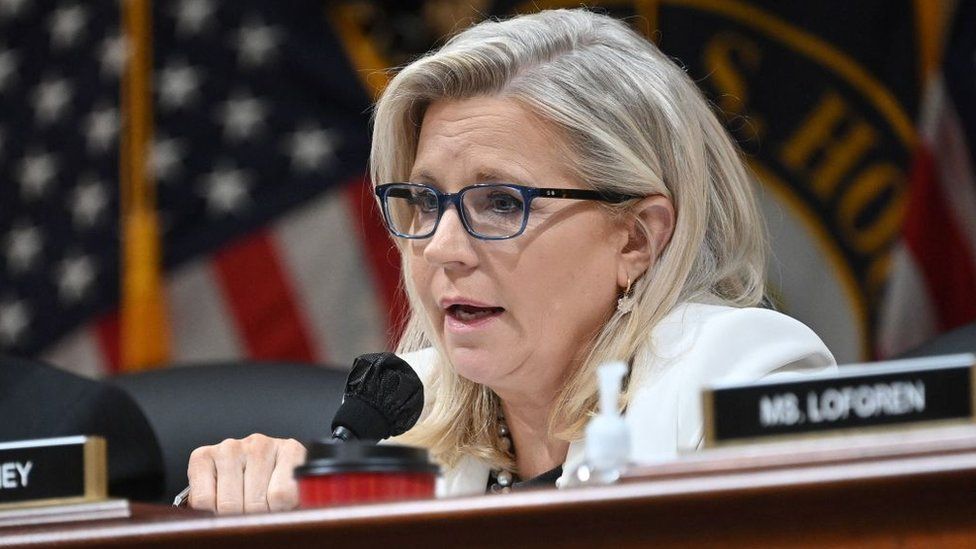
x=181 y=499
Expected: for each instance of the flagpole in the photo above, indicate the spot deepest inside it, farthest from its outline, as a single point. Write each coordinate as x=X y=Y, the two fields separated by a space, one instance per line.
x=144 y=330
x=931 y=24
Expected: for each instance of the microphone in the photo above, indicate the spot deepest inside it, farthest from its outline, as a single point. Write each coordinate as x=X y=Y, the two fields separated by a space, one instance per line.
x=383 y=398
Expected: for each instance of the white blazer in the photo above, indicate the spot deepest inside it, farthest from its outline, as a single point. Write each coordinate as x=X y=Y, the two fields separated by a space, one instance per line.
x=694 y=345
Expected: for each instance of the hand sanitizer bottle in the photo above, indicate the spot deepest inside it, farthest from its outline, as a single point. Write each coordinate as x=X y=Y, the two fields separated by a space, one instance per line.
x=607 y=443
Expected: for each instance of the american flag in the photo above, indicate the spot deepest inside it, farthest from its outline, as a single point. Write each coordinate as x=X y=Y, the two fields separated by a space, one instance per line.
x=272 y=249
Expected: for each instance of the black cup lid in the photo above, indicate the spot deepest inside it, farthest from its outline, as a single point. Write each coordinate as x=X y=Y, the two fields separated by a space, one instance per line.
x=329 y=457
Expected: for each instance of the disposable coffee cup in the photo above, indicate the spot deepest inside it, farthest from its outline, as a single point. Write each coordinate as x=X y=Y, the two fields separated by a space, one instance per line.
x=363 y=472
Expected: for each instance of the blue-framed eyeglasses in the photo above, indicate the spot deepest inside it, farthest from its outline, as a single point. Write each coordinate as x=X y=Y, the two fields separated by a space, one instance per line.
x=490 y=211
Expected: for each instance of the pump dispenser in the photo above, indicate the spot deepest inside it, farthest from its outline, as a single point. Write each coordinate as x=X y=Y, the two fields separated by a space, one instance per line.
x=607 y=444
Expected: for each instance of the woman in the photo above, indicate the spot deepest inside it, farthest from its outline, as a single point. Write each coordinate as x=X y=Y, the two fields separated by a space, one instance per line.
x=567 y=198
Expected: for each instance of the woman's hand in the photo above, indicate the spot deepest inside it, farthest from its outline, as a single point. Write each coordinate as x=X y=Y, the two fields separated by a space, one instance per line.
x=249 y=475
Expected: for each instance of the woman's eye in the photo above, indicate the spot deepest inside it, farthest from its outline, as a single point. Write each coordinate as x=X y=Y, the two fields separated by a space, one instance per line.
x=426 y=202
x=504 y=203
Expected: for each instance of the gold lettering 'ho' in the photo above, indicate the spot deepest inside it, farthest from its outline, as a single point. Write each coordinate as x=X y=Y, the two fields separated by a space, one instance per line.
x=870 y=185
x=841 y=149
x=829 y=149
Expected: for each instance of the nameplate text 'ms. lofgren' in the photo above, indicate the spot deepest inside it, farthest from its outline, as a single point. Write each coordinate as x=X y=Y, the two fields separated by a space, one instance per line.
x=894 y=393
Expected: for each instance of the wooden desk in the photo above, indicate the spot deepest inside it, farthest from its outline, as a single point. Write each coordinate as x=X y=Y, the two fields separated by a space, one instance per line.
x=916 y=489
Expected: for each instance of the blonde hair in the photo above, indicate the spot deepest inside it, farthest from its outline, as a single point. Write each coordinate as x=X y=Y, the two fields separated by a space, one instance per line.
x=633 y=123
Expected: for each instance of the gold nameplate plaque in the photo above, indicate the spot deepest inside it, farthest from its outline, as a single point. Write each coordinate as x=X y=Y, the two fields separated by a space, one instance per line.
x=52 y=471
x=893 y=394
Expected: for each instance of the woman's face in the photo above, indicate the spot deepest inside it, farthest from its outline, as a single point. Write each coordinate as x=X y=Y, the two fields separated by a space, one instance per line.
x=512 y=314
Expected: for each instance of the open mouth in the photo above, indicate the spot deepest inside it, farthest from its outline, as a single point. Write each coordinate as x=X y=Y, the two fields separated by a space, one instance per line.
x=470 y=313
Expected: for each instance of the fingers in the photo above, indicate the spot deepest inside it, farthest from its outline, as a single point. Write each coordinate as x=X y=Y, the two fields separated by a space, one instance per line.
x=283 y=489
x=260 y=452
x=229 y=460
x=250 y=475
x=203 y=480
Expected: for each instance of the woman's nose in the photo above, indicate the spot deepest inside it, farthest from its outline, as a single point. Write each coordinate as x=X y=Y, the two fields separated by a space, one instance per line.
x=451 y=245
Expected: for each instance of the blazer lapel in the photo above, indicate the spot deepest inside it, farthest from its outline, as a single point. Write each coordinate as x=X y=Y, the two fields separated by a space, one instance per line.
x=468 y=478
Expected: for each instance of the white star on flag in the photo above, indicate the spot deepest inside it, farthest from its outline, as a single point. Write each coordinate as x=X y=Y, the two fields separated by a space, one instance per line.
x=14 y=321
x=166 y=157
x=112 y=55
x=88 y=202
x=192 y=16
x=8 y=68
x=101 y=128
x=256 y=43
x=23 y=244
x=11 y=8
x=241 y=116
x=310 y=148
x=66 y=25
x=179 y=84
x=50 y=98
x=37 y=170
x=75 y=277
x=226 y=190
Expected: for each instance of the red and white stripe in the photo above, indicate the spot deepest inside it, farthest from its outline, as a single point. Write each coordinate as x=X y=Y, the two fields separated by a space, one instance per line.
x=316 y=286
x=933 y=282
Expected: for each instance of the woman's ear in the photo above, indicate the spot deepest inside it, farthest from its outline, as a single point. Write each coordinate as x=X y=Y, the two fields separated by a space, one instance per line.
x=644 y=245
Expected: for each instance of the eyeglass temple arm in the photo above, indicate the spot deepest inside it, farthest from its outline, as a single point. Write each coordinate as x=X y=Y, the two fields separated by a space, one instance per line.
x=582 y=194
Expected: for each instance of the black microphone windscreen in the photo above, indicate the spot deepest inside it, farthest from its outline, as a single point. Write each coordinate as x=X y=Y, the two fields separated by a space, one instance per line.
x=383 y=397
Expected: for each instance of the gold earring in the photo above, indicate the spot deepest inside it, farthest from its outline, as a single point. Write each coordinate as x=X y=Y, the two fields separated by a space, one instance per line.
x=625 y=303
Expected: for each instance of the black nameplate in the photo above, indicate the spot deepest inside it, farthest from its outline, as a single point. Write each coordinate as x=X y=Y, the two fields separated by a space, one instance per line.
x=894 y=393
x=51 y=471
